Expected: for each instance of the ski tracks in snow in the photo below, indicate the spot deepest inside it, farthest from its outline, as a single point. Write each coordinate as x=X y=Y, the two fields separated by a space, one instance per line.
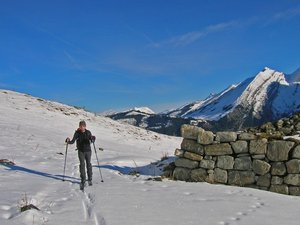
x=90 y=215
x=88 y=200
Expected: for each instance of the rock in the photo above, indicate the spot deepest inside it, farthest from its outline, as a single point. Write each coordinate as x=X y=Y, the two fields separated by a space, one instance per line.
x=261 y=167
x=207 y=164
x=292 y=179
x=208 y=157
x=167 y=174
x=243 y=163
x=210 y=171
x=205 y=137
x=243 y=155
x=268 y=127
x=226 y=136
x=170 y=166
x=278 y=168
x=182 y=174
x=220 y=176
x=264 y=181
x=211 y=177
x=296 y=152
x=276 y=180
x=294 y=191
x=199 y=175
x=186 y=163
x=293 y=166
x=258 y=156
x=179 y=152
x=281 y=189
x=192 y=146
x=240 y=147
x=155 y=179
x=258 y=147
x=286 y=130
x=190 y=132
x=218 y=149
x=225 y=162
x=279 y=124
x=193 y=156
x=241 y=178
x=279 y=150
x=297 y=127
x=247 y=136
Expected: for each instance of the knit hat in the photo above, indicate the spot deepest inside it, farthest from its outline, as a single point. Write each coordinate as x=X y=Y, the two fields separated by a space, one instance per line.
x=82 y=123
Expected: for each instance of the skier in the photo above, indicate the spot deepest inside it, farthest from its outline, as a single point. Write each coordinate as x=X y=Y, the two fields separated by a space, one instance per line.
x=83 y=138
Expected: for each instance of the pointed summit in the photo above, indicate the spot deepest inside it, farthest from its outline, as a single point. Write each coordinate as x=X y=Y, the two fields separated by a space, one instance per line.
x=250 y=100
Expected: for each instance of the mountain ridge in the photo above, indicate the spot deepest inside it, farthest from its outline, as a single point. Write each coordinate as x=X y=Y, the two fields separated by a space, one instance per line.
x=267 y=96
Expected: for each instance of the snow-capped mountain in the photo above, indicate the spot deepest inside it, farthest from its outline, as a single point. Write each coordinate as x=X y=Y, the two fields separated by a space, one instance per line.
x=135 y=116
x=267 y=96
x=146 y=118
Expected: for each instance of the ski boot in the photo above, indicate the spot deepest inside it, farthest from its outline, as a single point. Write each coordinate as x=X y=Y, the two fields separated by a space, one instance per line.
x=82 y=185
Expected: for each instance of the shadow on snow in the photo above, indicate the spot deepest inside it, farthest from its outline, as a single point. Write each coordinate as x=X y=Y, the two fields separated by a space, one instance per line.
x=39 y=173
x=152 y=169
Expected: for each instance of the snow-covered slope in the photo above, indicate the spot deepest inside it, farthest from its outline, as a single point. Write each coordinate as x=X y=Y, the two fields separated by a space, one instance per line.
x=32 y=135
x=267 y=96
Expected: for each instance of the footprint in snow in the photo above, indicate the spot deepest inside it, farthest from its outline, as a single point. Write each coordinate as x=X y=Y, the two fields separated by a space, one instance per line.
x=235 y=218
x=223 y=223
x=242 y=214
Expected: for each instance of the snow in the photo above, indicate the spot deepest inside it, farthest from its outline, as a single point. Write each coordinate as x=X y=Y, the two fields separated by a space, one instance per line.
x=33 y=132
x=287 y=100
x=219 y=105
x=139 y=110
x=257 y=91
x=145 y=110
x=253 y=94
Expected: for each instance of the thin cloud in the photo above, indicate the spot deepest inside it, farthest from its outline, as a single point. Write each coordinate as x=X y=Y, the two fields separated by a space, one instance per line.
x=141 y=34
x=284 y=15
x=72 y=61
x=62 y=40
x=191 y=37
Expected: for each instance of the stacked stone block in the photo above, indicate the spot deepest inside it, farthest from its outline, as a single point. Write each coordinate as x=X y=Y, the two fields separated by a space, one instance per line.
x=241 y=159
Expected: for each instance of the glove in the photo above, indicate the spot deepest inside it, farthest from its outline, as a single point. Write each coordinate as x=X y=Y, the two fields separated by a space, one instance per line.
x=93 y=139
x=67 y=140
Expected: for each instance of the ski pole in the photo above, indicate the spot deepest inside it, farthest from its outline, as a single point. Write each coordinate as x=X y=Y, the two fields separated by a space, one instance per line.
x=98 y=162
x=65 y=162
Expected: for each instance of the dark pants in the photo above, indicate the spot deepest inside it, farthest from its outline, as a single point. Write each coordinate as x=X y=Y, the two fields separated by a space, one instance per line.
x=85 y=157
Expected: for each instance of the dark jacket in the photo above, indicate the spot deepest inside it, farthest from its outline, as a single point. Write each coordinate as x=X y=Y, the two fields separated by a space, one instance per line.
x=83 y=140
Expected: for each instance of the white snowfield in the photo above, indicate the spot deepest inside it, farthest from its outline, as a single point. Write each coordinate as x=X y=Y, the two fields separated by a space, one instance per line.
x=33 y=132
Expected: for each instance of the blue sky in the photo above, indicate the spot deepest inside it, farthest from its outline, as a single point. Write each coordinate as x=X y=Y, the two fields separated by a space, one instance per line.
x=159 y=53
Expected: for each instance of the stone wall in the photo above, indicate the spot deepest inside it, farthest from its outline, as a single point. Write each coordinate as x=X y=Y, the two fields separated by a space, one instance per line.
x=241 y=159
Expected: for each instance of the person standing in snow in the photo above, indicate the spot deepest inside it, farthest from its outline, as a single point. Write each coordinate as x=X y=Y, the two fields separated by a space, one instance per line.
x=83 y=138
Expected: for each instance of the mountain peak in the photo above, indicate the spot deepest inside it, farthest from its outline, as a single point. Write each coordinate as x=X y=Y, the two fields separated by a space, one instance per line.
x=270 y=75
x=143 y=110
